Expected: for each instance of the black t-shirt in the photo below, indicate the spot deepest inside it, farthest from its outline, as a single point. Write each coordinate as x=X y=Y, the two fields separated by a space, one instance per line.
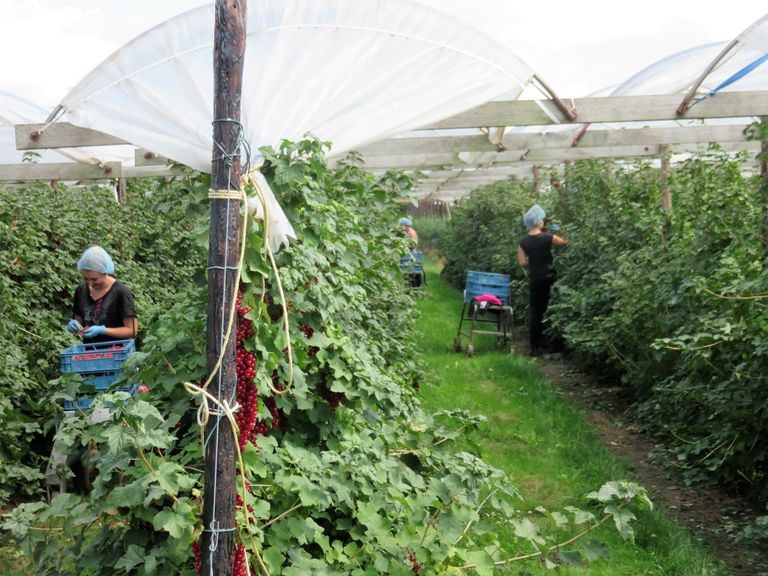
x=538 y=248
x=110 y=311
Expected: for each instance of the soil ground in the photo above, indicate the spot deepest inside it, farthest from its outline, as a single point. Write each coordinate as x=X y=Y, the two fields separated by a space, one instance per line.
x=708 y=513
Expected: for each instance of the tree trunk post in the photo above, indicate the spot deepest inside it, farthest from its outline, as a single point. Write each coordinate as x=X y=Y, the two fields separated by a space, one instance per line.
x=219 y=521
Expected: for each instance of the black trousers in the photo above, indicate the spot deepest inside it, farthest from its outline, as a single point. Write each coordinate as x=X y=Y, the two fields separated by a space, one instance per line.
x=540 y=290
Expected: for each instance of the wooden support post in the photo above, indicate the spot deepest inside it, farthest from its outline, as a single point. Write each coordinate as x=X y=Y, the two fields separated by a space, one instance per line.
x=536 y=182
x=666 y=194
x=219 y=520
x=120 y=189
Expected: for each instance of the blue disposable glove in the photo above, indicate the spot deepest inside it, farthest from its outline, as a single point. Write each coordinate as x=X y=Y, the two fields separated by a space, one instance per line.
x=74 y=326
x=555 y=228
x=94 y=331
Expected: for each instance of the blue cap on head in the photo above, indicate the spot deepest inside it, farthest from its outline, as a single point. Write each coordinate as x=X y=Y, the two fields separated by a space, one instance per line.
x=534 y=217
x=405 y=222
x=96 y=259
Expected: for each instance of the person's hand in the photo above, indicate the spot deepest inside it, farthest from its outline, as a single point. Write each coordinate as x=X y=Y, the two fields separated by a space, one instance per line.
x=93 y=331
x=74 y=326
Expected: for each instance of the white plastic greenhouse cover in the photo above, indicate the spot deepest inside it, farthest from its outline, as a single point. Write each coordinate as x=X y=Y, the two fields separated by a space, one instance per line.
x=349 y=71
x=677 y=72
x=16 y=110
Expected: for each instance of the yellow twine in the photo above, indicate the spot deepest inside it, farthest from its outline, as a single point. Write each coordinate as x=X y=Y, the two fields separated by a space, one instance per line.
x=225 y=194
x=249 y=179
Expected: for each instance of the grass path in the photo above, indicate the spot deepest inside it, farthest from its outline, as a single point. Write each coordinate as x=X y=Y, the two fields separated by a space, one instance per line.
x=543 y=443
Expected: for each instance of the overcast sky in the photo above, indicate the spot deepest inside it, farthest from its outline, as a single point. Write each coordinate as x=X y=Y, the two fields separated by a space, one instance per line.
x=47 y=46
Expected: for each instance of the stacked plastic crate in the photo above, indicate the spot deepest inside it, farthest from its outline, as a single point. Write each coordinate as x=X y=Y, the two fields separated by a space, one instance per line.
x=99 y=363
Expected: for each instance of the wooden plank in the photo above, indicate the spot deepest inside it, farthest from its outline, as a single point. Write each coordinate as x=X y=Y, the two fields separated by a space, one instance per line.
x=556 y=155
x=60 y=171
x=559 y=139
x=60 y=135
x=608 y=109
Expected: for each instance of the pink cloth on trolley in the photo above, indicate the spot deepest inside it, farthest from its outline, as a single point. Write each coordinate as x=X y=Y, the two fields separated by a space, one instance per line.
x=490 y=298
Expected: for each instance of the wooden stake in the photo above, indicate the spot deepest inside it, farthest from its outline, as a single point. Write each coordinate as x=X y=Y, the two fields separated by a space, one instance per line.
x=219 y=501
x=666 y=194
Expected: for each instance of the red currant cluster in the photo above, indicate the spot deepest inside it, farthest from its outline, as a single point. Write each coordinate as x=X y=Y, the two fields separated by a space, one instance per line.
x=245 y=365
x=416 y=566
x=309 y=332
x=333 y=398
x=239 y=500
x=198 y=552
x=272 y=407
x=239 y=568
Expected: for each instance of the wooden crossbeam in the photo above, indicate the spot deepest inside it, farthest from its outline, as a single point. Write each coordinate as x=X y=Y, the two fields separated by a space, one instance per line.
x=551 y=140
x=534 y=156
x=60 y=135
x=608 y=109
x=60 y=171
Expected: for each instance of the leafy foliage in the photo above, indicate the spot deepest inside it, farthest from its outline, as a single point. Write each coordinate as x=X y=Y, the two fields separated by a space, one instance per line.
x=43 y=231
x=352 y=476
x=673 y=305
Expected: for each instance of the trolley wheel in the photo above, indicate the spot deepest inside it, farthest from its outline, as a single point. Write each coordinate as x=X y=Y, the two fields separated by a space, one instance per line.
x=457 y=345
x=470 y=350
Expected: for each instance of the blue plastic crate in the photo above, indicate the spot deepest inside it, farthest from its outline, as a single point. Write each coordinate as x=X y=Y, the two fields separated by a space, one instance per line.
x=102 y=382
x=84 y=401
x=82 y=404
x=97 y=357
x=413 y=262
x=487 y=283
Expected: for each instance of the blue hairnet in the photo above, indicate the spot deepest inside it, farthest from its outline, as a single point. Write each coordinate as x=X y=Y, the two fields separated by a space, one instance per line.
x=97 y=260
x=534 y=216
x=405 y=222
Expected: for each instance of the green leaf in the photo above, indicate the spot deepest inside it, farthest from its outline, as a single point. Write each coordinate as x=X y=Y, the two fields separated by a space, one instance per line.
x=132 y=558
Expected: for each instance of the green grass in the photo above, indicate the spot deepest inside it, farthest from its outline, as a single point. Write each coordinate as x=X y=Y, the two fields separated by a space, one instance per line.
x=543 y=443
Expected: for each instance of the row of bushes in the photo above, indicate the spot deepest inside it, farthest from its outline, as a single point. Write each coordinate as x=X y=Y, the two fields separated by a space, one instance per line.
x=672 y=305
x=345 y=473
x=43 y=231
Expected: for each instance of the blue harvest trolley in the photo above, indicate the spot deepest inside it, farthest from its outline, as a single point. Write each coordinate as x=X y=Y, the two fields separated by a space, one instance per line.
x=482 y=313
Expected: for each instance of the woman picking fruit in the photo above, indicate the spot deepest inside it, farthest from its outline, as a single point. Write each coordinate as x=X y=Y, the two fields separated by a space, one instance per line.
x=103 y=306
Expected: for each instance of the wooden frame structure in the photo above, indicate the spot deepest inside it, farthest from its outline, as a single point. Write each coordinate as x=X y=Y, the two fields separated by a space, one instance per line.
x=510 y=140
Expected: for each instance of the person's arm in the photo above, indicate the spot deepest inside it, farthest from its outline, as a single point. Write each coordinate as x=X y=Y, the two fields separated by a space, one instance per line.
x=558 y=241
x=522 y=259
x=129 y=329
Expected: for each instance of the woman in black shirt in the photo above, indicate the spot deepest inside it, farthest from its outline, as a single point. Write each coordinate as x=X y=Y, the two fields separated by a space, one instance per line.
x=534 y=251
x=103 y=307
